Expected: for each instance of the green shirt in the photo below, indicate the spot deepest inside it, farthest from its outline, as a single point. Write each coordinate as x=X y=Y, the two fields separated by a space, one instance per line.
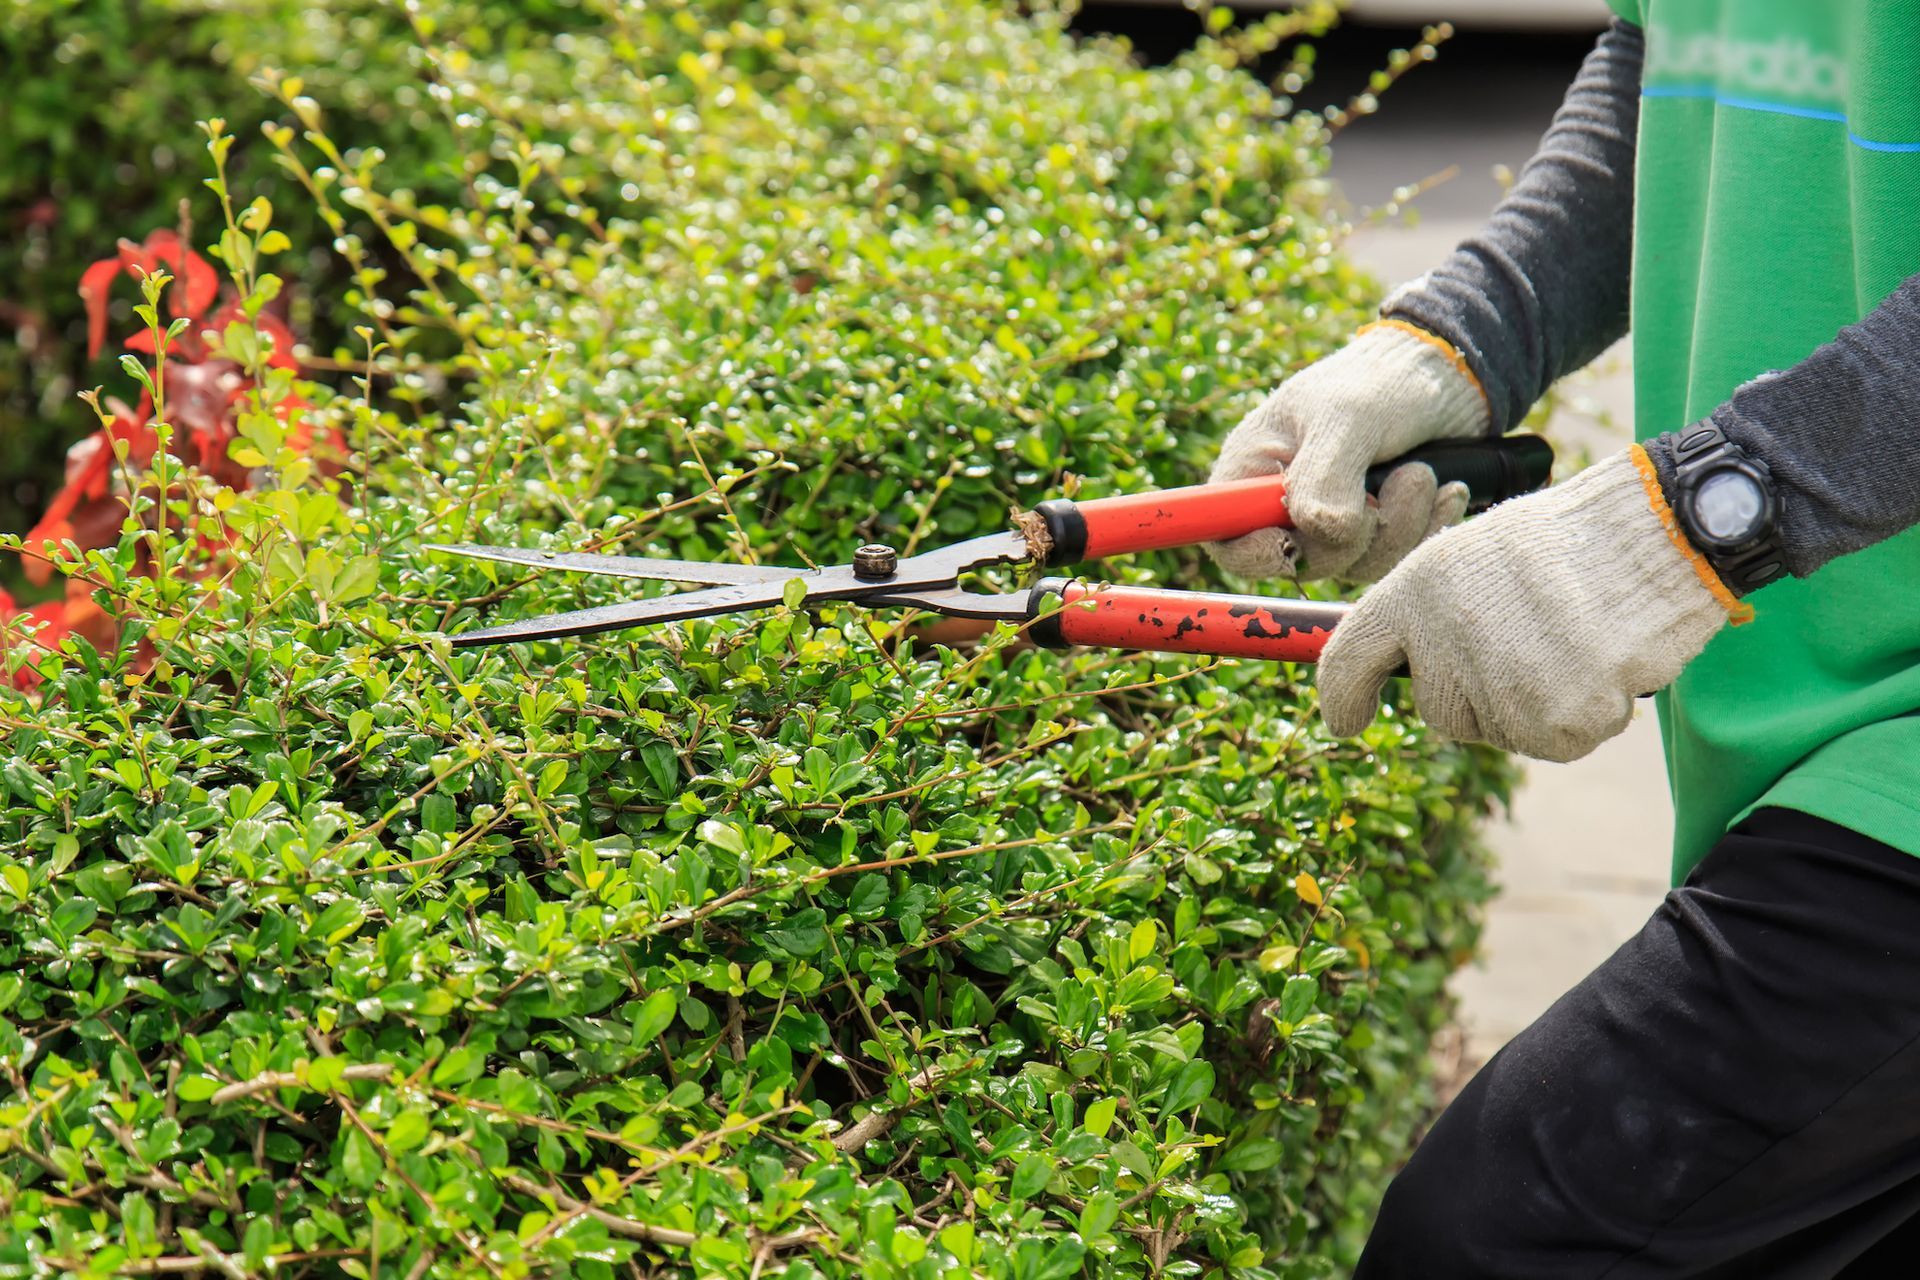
x=1777 y=201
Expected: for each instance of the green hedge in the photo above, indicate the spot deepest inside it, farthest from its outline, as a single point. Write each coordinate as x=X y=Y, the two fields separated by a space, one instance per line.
x=766 y=946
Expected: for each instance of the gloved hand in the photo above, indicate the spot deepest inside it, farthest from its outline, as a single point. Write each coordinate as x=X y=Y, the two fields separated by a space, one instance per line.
x=1535 y=626
x=1391 y=388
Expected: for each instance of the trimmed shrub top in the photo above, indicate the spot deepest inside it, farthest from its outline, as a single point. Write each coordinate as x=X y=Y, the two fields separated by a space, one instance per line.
x=779 y=946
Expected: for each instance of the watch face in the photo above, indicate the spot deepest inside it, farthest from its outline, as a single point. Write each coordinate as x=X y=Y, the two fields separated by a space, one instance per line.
x=1728 y=507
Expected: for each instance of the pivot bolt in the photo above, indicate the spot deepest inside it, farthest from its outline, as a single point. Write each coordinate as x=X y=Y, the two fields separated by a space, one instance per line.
x=875 y=560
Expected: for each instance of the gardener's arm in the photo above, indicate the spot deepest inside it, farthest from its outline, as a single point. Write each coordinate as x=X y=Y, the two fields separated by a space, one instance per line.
x=1534 y=627
x=1543 y=288
x=1461 y=352
x=1840 y=431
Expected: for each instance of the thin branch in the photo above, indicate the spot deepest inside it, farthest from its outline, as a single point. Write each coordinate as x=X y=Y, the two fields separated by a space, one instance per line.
x=155 y=1181
x=639 y=1230
x=296 y=1080
x=219 y=1261
x=878 y=1122
x=746 y=891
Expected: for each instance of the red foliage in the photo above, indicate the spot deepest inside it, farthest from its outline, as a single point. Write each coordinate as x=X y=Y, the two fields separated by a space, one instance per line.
x=75 y=614
x=204 y=393
x=195 y=282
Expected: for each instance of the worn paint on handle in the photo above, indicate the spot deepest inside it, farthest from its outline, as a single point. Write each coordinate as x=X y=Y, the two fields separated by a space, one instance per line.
x=1276 y=629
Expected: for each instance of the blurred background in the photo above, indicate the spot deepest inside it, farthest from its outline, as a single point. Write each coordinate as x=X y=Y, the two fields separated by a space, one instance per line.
x=1585 y=858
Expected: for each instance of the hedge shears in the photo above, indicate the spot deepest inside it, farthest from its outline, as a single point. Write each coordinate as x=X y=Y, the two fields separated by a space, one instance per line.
x=1057 y=612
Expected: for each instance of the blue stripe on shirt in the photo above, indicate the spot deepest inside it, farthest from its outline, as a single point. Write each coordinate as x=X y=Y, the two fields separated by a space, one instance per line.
x=1707 y=92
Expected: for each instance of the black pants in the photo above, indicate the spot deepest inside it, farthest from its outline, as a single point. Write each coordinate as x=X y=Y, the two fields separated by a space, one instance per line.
x=1735 y=1093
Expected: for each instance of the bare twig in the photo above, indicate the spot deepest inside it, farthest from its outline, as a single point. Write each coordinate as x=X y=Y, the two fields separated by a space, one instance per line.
x=150 y=1181
x=736 y=1038
x=295 y=1080
x=219 y=1261
x=878 y=1122
x=744 y=892
x=640 y=1230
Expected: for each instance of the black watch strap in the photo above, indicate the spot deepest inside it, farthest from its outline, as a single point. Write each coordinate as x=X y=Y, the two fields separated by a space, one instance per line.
x=1698 y=452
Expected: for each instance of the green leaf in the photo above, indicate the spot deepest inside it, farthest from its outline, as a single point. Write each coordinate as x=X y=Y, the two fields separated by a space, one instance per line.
x=1191 y=1085
x=1099 y=1116
x=257 y=1243
x=1252 y=1156
x=358 y=577
x=957 y=1239
x=1274 y=959
x=196 y=1088
x=137 y=371
x=695 y=1014
x=438 y=814
x=408 y=1130
x=464 y=1063
x=803 y=934
x=653 y=1016
x=1297 y=997
x=73 y=917
x=326 y=1073
x=1030 y=1177
x=869 y=897
x=1062 y=1258
x=663 y=766
x=359 y=1162
x=138 y=1221
x=724 y=836
x=1101 y=1212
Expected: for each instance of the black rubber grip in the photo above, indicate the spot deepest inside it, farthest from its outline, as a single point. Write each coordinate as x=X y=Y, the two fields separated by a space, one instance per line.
x=1066 y=530
x=1044 y=630
x=1492 y=470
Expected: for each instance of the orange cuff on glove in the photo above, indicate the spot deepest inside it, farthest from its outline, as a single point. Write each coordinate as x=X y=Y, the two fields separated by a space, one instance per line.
x=1438 y=343
x=1739 y=612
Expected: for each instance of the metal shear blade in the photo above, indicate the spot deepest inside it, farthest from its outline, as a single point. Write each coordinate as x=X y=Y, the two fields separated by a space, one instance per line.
x=713 y=575
x=927 y=581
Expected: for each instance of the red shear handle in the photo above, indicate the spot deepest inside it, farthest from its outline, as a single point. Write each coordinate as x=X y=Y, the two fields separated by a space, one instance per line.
x=1492 y=470
x=1274 y=628
x=1162 y=518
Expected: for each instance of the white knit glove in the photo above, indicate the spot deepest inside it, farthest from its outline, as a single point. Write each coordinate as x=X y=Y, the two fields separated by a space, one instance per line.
x=1382 y=394
x=1534 y=626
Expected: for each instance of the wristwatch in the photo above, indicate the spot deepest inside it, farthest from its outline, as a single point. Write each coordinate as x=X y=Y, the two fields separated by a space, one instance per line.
x=1724 y=499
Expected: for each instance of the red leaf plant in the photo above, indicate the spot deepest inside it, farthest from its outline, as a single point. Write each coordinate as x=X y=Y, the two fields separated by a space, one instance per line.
x=205 y=391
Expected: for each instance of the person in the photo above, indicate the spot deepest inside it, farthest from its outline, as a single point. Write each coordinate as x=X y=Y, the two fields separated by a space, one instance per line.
x=1736 y=1092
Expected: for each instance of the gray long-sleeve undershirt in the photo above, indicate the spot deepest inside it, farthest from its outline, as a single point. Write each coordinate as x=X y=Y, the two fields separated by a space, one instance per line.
x=1543 y=289
x=1841 y=433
